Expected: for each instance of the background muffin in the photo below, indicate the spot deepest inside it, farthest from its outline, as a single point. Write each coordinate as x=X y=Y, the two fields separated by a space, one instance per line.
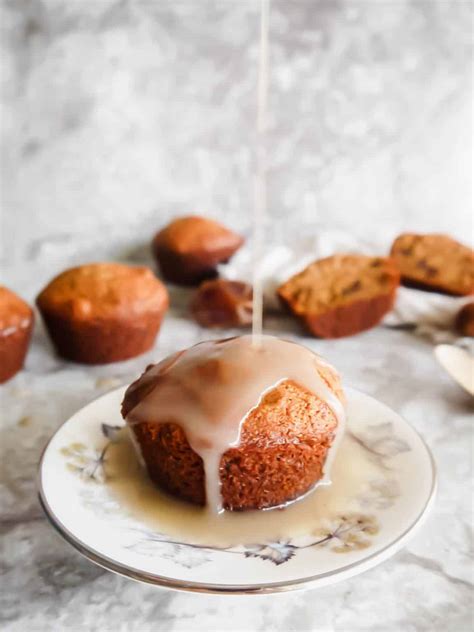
x=434 y=262
x=16 y=325
x=189 y=249
x=103 y=312
x=342 y=295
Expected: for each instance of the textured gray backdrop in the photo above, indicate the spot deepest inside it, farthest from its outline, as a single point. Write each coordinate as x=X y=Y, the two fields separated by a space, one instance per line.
x=117 y=114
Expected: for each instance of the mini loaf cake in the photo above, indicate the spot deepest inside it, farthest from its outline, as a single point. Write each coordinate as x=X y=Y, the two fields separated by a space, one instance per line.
x=342 y=295
x=16 y=325
x=189 y=249
x=434 y=262
x=103 y=312
x=464 y=323
x=236 y=425
x=222 y=303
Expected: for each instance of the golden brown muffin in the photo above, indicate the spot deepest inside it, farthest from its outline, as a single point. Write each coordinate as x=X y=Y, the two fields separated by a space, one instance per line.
x=222 y=303
x=16 y=325
x=342 y=295
x=283 y=446
x=189 y=249
x=103 y=312
x=434 y=262
x=464 y=323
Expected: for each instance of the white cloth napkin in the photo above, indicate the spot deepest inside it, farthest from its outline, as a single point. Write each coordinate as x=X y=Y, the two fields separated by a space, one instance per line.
x=430 y=314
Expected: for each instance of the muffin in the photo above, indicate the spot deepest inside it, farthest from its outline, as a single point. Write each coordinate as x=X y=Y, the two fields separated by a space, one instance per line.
x=222 y=303
x=185 y=414
x=189 y=249
x=464 y=323
x=103 y=312
x=434 y=262
x=16 y=325
x=342 y=295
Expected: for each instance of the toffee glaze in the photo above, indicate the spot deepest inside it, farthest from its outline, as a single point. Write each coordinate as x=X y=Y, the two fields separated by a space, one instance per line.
x=210 y=388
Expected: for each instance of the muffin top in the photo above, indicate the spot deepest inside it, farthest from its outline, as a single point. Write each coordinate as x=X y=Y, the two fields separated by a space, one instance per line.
x=14 y=312
x=104 y=290
x=220 y=381
x=194 y=234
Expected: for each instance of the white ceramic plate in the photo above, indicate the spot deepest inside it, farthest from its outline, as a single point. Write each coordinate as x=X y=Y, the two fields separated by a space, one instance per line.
x=77 y=497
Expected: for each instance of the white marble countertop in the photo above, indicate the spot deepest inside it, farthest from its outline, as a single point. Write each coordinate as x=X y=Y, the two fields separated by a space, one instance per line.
x=427 y=586
x=117 y=115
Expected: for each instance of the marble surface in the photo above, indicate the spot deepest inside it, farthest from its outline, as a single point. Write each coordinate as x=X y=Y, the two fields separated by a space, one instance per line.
x=427 y=586
x=117 y=115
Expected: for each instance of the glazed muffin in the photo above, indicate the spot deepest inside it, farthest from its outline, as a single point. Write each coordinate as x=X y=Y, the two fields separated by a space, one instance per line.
x=189 y=249
x=16 y=325
x=342 y=295
x=222 y=303
x=464 y=323
x=434 y=262
x=103 y=312
x=285 y=436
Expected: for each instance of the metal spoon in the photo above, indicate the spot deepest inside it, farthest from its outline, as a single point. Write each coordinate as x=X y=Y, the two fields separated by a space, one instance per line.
x=459 y=363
